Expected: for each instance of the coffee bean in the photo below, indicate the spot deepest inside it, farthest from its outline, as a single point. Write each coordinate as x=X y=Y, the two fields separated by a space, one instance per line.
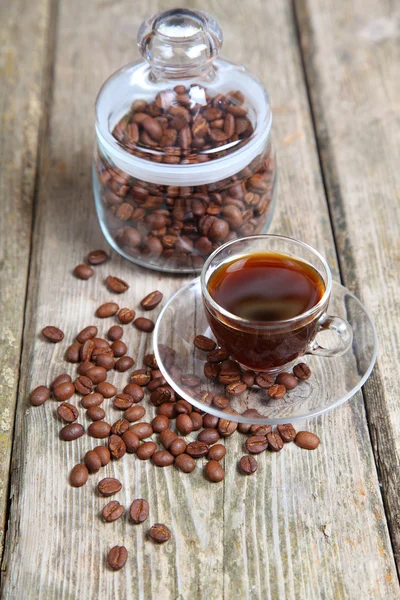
x=214 y=471
x=85 y=352
x=288 y=380
x=86 y=334
x=83 y=385
x=183 y=407
x=159 y=533
x=85 y=366
x=197 y=421
x=146 y=450
x=248 y=413
x=248 y=465
x=124 y=363
x=135 y=413
x=216 y=356
x=116 y=446
x=143 y=324
x=99 y=429
x=260 y=429
x=307 y=440
x=209 y=436
x=287 y=432
x=162 y=458
x=105 y=360
x=53 y=334
x=143 y=430
x=72 y=353
x=156 y=383
x=92 y=461
x=83 y=271
x=131 y=440
x=116 y=285
x=97 y=257
x=126 y=315
x=185 y=463
x=119 y=348
x=79 y=475
x=63 y=378
x=275 y=443
x=160 y=423
x=152 y=300
x=159 y=396
x=109 y=486
x=70 y=432
x=276 y=391
x=112 y=511
x=97 y=374
x=139 y=511
x=197 y=449
x=236 y=389
x=107 y=310
x=68 y=412
x=117 y=557
x=141 y=377
x=190 y=380
x=93 y=399
x=95 y=413
x=39 y=395
x=220 y=402
x=204 y=343
x=106 y=389
x=156 y=374
x=256 y=444
x=216 y=452
x=120 y=426
x=302 y=371
x=167 y=437
x=211 y=370
x=168 y=409
x=248 y=377
x=150 y=361
x=103 y=453
x=177 y=446
x=122 y=401
x=225 y=426
x=184 y=424
x=134 y=391
x=115 y=333
x=264 y=380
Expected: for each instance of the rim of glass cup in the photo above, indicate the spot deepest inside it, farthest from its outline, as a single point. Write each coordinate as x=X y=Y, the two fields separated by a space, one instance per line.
x=262 y=324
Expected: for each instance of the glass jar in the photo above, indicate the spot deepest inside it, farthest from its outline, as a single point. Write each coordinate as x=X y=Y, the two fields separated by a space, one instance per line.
x=183 y=160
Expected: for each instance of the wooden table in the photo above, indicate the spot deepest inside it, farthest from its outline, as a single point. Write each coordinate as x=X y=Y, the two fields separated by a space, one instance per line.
x=308 y=525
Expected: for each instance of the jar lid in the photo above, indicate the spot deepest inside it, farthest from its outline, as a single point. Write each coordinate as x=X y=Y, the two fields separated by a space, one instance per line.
x=183 y=117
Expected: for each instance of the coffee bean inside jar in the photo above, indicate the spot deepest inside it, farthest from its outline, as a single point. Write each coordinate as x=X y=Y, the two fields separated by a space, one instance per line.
x=184 y=160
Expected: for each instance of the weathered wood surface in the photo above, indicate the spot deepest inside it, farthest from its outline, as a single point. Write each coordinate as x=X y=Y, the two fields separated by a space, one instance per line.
x=24 y=36
x=308 y=525
x=352 y=58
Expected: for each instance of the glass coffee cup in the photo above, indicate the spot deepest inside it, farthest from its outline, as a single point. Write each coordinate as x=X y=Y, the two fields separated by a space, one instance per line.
x=273 y=344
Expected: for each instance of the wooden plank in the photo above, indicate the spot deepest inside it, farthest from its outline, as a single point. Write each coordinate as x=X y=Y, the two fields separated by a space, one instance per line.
x=308 y=525
x=352 y=57
x=24 y=37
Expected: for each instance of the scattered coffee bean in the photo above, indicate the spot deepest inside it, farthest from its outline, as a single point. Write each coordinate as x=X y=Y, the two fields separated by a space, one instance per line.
x=134 y=391
x=288 y=380
x=209 y=436
x=99 y=429
x=112 y=511
x=276 y=391
x=155 y=383
x=226 y=427
x=68 y=412
x=159 y=533
x=220 y=402
x=214 y=471
x=97 y=374
x=307 y=440
x=256 y=444
x=126 y=315
x=141 y=377
x=109 y=486
x=236 y=389
x=124 y=363
x=150 y=361
x=116 y=285
x=39 y=395
x=53 y=334
x=167 y=437
x=146 y=450
x=302 y=371
x=249 y=413
x=120 y=426
x=275 y=443
x=96 y=413
x=197 y=449
x=105 y=360
x=260 y=429
x=190 y=380
x=167 y=409
x=103 y=453
x=93 y=399
x=86 y=350
x=287 y=432
x=97 y=257
x=264 y=380
x=210 y=420
x=79 y=475
x=92 y=461
x=117 y=557
x=63 y=378
x=211 y=370
x=106 y=389
x=183 y=407
x=131 y=440
x=139 y=511
x=177 y=446
x=87 y=333
x=216 y=452
x=162 y=458
x=204 y=343
x=160 y=423
x=115 y=333
x=83 y=385
x=184 y=424
x=119 y=348
x=248 y=465
x=83 y=271
x=160 y=395
x=248 y=377
x=216 y=356
x=143 y=430
x=70 y=432
x=135 y=413
x=72 y=353
x=185 y=463
x=152 y=300
x=116 y=446
x=85 y=366
x=197 y=421
x=107 y=310
x=143 y=324
x=122 y=401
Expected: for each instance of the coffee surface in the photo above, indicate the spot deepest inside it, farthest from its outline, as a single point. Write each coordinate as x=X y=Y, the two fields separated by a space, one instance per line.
x=266 y=287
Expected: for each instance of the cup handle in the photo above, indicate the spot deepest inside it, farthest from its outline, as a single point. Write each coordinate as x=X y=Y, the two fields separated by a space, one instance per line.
x=343 y=332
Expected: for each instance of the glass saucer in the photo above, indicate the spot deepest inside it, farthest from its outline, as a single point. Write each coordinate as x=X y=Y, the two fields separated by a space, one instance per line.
x=333 y=380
